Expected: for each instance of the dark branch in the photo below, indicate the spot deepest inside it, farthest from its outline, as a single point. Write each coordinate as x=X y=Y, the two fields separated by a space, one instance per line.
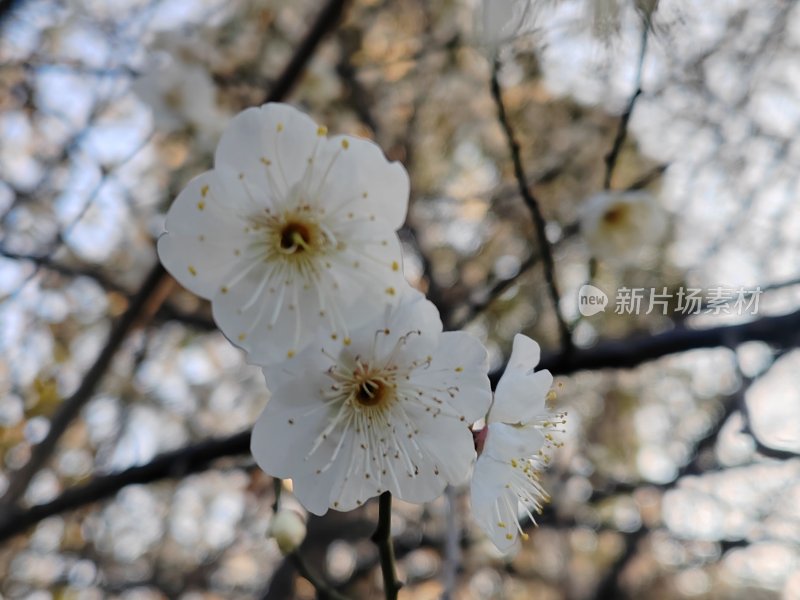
x=47 y=262
x=383 y=539
x=622 y=130
x=178 y=463
x=7 y=7
x=326 y=21
x=497 y=290
x=781 y=331
x=70 y=407
x=324 y=591
x=536 y=212
x=609 y=585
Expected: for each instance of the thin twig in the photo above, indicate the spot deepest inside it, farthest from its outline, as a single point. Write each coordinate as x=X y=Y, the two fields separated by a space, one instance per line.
x=535 y=210
x=324 y=591
x=326 y=21
x=608 y=589
x=383 y=539
x=49 y=263
x=476 y=308
x=71 y=407
x=622 y=130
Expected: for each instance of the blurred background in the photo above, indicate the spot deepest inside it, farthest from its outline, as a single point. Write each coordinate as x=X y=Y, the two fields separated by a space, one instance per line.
x=679 y=475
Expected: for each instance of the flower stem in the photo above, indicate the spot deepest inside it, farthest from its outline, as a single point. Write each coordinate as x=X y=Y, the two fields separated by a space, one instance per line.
x=383 y=539
x=277 y=485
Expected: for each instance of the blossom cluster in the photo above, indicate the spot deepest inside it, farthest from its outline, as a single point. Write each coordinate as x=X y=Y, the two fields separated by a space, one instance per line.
x=292 y=237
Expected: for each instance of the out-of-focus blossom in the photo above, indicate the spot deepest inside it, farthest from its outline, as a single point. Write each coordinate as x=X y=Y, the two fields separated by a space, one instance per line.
x=512 y=447
x=500 y=21
x=292 y=232
x=181 y=95
x=606 y=15
x=618 y=226
x=389 y=410
x=288 y=529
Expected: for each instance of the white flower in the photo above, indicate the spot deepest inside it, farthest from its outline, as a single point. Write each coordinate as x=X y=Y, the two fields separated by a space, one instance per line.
x=511 y=447
x=618 y=226
x=606 y=16
x=181 y=94
x=292 y=232
x=288 y=529
x=391 y=410
x=500 y=21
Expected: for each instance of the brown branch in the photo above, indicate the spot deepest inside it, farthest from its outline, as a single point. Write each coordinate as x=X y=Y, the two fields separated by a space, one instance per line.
x=178 y=463
x=533 y=206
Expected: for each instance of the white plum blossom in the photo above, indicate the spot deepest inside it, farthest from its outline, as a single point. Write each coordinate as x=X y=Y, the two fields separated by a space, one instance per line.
x=388 y=411
x=606 y=15
x=181 y=94
x=291 y=233
x=619 y=226
x=500 y=21
x=512 y=447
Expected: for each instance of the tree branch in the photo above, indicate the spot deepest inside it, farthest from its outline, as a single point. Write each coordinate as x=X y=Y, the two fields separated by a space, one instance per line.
x=383 y=539
x=326 y=21
x=781 y=331
x=324 y=591
x=533 y=206
x=70 y=407
x=622 y=130
x=178 y=463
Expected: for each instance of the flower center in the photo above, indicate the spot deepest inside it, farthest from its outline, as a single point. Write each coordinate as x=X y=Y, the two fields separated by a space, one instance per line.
x=295 y=237
x=616 y=215
x=371 y=392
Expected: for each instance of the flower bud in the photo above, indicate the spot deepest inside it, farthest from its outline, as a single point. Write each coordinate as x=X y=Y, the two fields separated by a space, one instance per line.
x=288 y=529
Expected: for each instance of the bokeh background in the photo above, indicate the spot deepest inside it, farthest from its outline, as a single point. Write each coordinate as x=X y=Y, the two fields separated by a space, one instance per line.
x=679 y=475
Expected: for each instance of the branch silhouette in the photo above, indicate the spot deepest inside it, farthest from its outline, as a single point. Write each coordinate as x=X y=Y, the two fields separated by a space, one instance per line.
x=779 y=331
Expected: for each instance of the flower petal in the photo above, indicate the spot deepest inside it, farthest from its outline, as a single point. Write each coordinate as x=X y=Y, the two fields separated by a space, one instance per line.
x=270 y=145
x=507 y=442
x=521 y=398
x=461 y=364
x=198 y=246
x=352 y=175
x=494 y=506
